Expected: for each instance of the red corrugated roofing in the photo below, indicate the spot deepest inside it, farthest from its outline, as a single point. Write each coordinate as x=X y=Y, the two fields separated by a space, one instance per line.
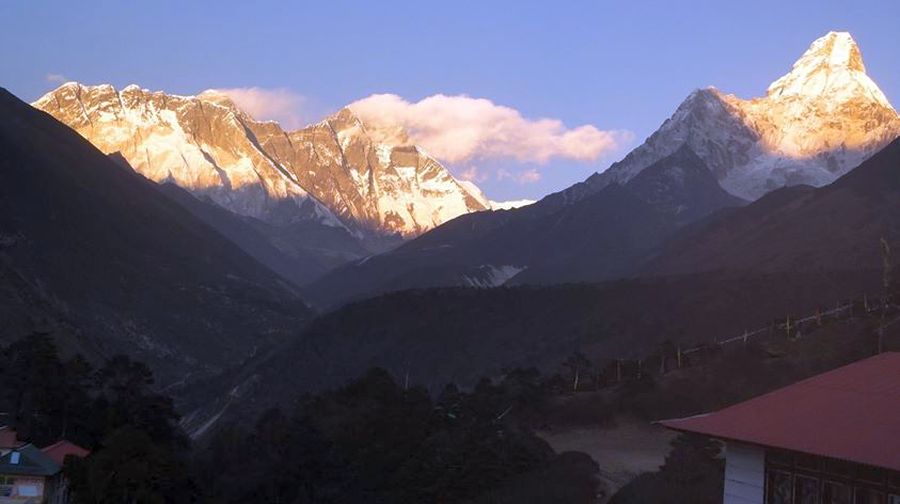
x=851 y=413
x=58 y=451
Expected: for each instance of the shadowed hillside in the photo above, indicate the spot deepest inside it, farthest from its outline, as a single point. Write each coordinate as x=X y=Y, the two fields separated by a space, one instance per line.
x=100 y=256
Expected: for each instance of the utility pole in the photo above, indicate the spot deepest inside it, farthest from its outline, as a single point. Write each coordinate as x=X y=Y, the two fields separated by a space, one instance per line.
x=887 y=267
x=887 y=274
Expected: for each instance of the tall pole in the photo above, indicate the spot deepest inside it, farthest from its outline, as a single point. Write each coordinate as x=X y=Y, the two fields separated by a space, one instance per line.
x=887 y=267
x=887 y=274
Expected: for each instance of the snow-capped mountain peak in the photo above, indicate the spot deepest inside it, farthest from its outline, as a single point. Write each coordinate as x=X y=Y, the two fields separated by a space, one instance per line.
x=832 y=67
x=511 y=204
x=815 y=123
x=337 y=171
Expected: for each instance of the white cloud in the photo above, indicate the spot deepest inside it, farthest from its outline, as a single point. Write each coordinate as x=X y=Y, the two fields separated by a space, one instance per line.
x=459 y=128
x=528 y=176
x=57 y=78
x=474 y=174
x=279 y=104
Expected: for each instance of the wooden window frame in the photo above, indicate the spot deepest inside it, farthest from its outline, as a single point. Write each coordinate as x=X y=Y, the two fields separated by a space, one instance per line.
x=856 y=477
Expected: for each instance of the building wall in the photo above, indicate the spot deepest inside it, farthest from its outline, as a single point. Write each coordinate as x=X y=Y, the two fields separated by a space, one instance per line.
x=26 y=486
x=745 y=473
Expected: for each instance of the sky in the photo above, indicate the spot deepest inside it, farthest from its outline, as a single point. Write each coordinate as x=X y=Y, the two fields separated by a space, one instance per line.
x=524 y=98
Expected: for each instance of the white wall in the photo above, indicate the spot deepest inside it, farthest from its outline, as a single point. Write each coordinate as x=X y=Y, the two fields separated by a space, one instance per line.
x=27 y=486
x=745 y=473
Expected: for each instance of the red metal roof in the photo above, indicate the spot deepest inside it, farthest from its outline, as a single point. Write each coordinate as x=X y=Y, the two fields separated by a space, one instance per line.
x=851 y=413
x=58 y=451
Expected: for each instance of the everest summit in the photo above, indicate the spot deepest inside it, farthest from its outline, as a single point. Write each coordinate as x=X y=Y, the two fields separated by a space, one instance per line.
x=332 y=172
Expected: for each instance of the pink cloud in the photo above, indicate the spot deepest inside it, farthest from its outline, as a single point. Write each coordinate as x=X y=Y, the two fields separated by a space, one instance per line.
x=528 y=176
x=279 y=104
x=473 y=174
x=459 y=128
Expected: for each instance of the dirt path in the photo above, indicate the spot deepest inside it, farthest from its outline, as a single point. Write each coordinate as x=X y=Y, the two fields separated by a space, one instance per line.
x=622 y=452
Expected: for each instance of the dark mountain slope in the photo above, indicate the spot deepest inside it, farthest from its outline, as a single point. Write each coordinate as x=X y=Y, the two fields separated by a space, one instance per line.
x=132 y=271
x=299 y=251
x=601 y=236
x=836 y=227
x=682 y=186
x=300 y=265
x=299 y=271
x=26 y=308
x=457 y=335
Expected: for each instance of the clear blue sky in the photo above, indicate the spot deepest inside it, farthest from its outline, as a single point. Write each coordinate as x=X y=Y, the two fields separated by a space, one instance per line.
x=615 y=65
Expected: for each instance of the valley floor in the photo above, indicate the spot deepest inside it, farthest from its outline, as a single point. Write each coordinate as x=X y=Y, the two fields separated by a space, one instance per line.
x=622 y=452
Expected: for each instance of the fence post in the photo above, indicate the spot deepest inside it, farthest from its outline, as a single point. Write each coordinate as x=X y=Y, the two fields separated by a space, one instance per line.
x=679 y=356
x=640 y=362
x=787 y=326
x=745 y=337
x=865 y=303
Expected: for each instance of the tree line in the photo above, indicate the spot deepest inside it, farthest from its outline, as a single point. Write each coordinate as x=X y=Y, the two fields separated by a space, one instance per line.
x=372 y=440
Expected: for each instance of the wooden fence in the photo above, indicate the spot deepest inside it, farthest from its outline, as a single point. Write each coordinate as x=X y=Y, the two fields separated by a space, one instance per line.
x=673 y=356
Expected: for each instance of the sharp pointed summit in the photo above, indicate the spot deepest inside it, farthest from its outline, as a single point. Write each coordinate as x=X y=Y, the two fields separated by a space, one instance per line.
x=816 y=123
x=832 y=67
x=834 y=49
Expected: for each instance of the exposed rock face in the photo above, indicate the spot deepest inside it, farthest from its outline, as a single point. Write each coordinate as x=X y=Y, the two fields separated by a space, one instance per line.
x=332 y=172
x=682 y=187
x=383 y=187
x=815 y=124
